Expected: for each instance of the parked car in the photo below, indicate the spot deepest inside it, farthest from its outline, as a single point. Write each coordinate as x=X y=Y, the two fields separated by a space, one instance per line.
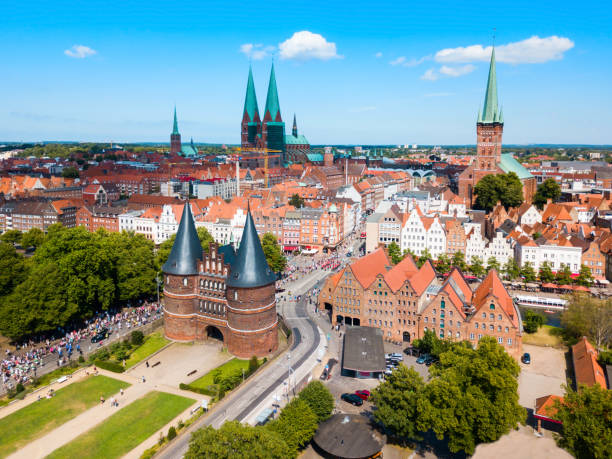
x=422 y=358
x=352 y=399
x=398 y=356
x=429 y=360
x=101 y=335
x=526 y=359
x=363 y=394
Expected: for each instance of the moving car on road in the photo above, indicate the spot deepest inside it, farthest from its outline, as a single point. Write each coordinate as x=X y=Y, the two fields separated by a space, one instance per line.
x=352 y=399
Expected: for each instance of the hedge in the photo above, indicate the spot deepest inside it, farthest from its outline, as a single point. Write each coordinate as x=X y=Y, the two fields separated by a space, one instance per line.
x=110 y=366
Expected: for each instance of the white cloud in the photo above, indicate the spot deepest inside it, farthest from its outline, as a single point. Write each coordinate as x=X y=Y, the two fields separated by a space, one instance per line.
x=378 y=55
x=256 y=52
x=409 y=62
x=533 y=50
x=457 y=71
x=80 y=51
x=430 y=75
x=306 y=45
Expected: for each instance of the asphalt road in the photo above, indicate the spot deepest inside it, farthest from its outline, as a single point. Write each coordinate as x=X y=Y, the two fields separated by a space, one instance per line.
x=238 y=405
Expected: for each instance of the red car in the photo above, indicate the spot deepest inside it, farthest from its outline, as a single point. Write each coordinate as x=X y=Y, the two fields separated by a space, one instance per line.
x=363 y=394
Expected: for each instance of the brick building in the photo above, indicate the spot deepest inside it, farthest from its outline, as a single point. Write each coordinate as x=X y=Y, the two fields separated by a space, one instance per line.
x=405 y=302
x=221 y=293
x=96 y=217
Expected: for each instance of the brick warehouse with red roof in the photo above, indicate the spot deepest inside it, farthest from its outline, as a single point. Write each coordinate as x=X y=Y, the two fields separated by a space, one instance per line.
x=406 y=301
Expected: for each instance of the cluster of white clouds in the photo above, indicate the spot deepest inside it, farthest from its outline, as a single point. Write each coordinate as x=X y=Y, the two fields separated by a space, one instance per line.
x=80 y=52
x=303 y=45
x=532 y=50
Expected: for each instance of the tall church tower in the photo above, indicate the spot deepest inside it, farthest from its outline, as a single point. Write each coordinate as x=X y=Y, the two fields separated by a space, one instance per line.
x=175 y=137
x=273 y=129
x=489 y=128
x=250 y=127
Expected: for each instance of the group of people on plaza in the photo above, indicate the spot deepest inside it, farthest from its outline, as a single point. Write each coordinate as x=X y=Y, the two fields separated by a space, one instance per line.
x=21 y=365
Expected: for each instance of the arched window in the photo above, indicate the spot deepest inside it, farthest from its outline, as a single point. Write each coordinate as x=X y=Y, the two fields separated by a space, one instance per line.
x=442 y=304
x=185 y=281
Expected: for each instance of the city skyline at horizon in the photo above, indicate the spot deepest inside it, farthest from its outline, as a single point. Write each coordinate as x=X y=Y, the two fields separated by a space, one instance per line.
x=102 y=81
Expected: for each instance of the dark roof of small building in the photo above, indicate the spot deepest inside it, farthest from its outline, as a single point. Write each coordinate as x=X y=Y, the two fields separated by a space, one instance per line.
x=187 y=249
x=250 y=267
x=349 y=436
x=363 y=349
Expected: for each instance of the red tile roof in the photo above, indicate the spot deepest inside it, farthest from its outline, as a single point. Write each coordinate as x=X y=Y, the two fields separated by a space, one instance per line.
x=586 y=368
x=367 y=268
x=492 y=285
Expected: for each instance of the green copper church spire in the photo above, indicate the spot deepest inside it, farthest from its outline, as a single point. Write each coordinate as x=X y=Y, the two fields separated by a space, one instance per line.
x=272 y=104
x=250 y=100
x=490 y=111
x=175 y=130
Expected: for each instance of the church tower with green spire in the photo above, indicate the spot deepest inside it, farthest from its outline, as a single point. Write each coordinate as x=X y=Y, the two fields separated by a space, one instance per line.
x=250 y=128
x=175 y=137
x=273 y=127
x=490 y=126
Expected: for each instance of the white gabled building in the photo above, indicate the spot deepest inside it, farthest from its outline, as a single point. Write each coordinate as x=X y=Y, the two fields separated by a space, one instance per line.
x=557 y=252
x=436 y=236
x=475 y=245
x=529 y=215
x=499 y=247
x=414 y=233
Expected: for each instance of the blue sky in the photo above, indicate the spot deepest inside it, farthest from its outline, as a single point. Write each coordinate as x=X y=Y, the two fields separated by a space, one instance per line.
x=353 y=72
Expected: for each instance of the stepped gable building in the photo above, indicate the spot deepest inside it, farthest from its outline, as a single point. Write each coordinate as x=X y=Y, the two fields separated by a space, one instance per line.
x=489 y=158
x=220 y=293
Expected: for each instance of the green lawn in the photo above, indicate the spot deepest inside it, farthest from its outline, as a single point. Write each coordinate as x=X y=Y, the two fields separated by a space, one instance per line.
x=226 y=369
x=152 y=343
x=19 y=428
x=547 y=335
x=127 y=428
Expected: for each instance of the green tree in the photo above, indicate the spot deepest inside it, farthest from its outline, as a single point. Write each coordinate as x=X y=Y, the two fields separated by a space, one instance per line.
x=70 y=172
x=476 y=267
x=532 y=321
x=32 y=238
x=12 y=268
x=395 y=253
x=274 y=256
x=549 y=189
x=590 y=317
x=585 y=277
x=546 y=275
x=511 y=269
x=504 y=188
x=296 y=424
x=444 y=264
x=397 y=402
x=425 y=255
x=319 y=398
x=472 y=396
x=233 y=440
x=11 y=237
x=458 y=261
x=296 y=201
x=492 y=263
x=586 y=415
x=564 y=275
x=528 y=272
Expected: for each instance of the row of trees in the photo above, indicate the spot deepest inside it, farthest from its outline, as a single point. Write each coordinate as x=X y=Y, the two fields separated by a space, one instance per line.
x=72 y=275
x=282 y=438
x=470 y=398
x=508 y=189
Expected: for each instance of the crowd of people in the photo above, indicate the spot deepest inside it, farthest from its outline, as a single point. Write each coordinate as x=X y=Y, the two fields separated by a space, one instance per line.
x=26 y=361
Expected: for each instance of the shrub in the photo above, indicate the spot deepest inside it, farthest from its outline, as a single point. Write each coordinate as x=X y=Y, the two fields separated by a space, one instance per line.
x=81 y=359
x=102 y=354
x=171 y=433
x=122 y=354
x=180 y=424
x=19 y=388
x=110 y=366
x=137 y=337
x=217 y=376
x=253 y=365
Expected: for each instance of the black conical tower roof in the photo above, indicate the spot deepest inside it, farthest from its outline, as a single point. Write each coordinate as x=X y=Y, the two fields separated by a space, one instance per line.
x=250 y=267
x=186 y=249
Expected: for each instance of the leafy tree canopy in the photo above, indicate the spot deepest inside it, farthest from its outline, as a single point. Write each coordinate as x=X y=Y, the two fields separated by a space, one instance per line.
x=395 y=253
x=590 y=317
x=296 y=424
x=319 y=398
x=234 y=439
x=476 y=267
x=274 y=255
x=546 y=273
x=511 y=269
x=532 y=321
x=504 y=188
x=11 y=236
x=549 y=189
x=296 y=201
x=70 y=172
x=528 y=272
x=32 y=238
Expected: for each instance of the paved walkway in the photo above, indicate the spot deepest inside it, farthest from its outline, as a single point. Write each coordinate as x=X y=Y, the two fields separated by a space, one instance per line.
x=92 y=417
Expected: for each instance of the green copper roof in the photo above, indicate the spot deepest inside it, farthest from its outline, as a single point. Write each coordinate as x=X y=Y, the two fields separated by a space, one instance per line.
x=509 y=164
x=490 y=111
x=272 y=104
x=250 y=100
x=175 y=130
x=315 y=157
x=296 y=140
